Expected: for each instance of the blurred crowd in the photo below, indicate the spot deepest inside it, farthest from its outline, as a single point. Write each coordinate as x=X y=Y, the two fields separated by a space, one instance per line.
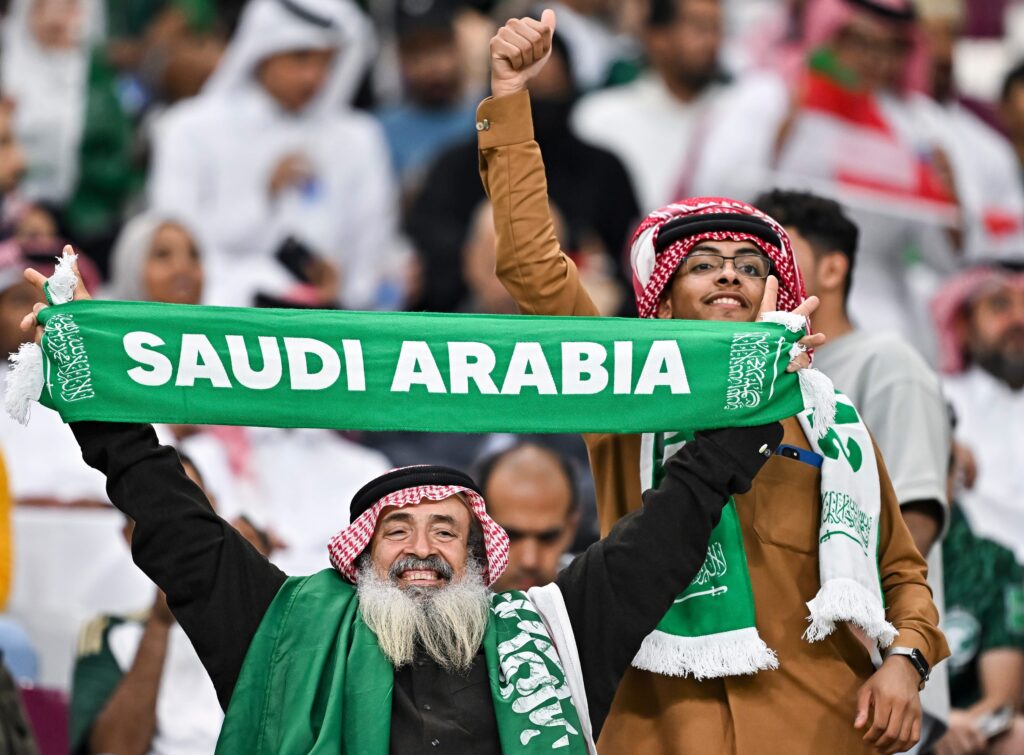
x=322 y=154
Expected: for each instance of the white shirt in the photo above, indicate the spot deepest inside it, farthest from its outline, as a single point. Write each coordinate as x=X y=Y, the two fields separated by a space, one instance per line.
x=214 y=156
x=990 y=420
x=308 y=478
x=651 y=131
x=43 y=458
x=188 y=714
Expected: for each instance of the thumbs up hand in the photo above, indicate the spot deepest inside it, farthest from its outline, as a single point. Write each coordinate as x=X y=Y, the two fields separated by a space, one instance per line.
x=519 y=51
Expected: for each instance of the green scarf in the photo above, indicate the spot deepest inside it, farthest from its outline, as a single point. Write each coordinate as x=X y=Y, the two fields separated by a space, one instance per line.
x=143 y=362
x=315 y=681
x=711 y=629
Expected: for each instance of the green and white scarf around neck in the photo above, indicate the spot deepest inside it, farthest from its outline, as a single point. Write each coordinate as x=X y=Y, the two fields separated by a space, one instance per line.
x=315 y=681
x=711 y=629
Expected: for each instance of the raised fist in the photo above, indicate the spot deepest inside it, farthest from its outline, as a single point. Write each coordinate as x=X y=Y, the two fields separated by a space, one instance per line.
x=518 y=51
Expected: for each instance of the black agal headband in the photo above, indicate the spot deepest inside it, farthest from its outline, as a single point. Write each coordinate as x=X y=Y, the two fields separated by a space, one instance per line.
x=407 y=477
x=685 y=226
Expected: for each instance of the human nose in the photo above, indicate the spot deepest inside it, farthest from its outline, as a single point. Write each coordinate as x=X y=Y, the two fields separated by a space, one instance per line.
x=529 y=553
x=727 y=272
x=420 y=545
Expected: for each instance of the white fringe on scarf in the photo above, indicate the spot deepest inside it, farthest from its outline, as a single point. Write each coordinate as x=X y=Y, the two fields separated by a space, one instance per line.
x=736 y=653
x=25 y=379
x=24 y=382
x=61 y=285
x=841 y=600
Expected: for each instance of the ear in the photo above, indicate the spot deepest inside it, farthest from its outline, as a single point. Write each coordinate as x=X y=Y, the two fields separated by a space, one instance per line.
x=832 y=271
x=664 y=311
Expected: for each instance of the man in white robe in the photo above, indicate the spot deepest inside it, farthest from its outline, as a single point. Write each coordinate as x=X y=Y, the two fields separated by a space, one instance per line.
x=271 y=150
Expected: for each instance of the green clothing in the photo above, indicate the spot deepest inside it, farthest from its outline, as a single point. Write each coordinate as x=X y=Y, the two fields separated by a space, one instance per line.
x=984 y=605
x=95 y=678
x=107 y=175
x=315 y=681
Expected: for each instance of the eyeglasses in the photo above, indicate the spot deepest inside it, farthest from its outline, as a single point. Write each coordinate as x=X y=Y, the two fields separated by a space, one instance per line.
x=749 y=265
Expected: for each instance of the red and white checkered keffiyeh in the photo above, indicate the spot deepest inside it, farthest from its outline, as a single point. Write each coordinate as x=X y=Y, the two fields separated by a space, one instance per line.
x=345 y=547
x=652 y=272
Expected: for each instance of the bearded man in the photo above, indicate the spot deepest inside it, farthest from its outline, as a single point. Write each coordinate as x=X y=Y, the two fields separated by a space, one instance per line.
x=979 y=316
x=401 y=647
x=713 y=691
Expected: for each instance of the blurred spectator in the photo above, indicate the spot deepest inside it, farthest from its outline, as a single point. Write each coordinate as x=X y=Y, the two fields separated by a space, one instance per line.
x=488 y=296
x=595 y=43
x=531 y=493
x=657 y=124
x=68 y=119
x=156 y=259
x=850 y=122
x=434 y=112
x=980 y=318
x=12 y=166
x=588 y=184
x=984 y=625
x=984 y=177
x=1011 y=114
x=163 y=50
x=36 y=226
x=139 y=686
x=269 y=152
x=44 y=463
x=898 y=395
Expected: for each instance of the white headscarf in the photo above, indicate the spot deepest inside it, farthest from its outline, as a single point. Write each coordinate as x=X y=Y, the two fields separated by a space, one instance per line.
x=131 y=251
x=49 y=88
x=269 y=27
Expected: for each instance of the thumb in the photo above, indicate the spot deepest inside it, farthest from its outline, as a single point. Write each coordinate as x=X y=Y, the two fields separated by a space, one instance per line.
x=863 y=705
x=770 y=299
x=548 y=19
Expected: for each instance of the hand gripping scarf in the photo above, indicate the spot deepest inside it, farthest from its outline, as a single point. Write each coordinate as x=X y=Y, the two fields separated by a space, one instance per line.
x=313 y=646
x=711 y=629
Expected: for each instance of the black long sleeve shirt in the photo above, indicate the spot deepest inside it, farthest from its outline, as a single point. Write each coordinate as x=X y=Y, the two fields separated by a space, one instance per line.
x=219 y=587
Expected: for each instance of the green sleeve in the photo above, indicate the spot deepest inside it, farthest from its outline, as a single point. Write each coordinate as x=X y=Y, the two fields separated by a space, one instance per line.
x=1003 y=622
x=95 y=678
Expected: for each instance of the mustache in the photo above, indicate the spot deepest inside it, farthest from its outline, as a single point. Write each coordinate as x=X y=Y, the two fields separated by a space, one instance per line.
x=432 y=562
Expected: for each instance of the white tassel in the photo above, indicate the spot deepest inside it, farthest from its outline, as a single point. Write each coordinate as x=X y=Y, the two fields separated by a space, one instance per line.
x=61 y=285
x=820 y=395
x=793 y=323
x=735 y=653
x=24 y=382
x=848 y=600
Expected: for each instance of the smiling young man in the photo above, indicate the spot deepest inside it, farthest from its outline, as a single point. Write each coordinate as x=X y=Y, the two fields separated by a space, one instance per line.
x=722 y=260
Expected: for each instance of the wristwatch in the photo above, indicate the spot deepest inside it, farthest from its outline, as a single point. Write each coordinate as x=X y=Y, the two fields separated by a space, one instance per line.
x=916 y=659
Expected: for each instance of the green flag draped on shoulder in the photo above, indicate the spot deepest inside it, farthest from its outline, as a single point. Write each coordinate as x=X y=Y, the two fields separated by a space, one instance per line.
x=145 y=362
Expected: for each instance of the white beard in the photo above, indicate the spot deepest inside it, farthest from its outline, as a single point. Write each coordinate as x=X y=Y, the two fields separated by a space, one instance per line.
x=448 y=622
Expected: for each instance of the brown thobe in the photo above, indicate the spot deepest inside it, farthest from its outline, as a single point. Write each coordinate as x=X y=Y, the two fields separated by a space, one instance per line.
x=808 y=704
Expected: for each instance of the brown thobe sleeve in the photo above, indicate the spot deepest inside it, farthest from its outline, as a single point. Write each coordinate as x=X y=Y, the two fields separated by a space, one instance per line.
x=904 y=573
x=540 y=277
